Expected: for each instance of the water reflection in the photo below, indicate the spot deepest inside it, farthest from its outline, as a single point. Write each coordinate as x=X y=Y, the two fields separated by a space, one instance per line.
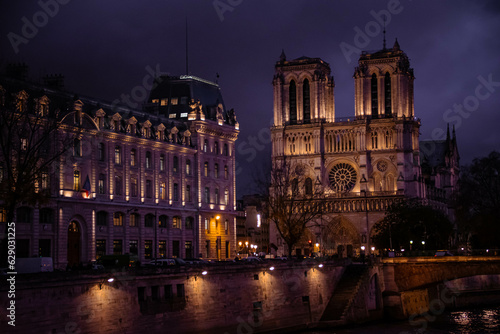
x=472 y=321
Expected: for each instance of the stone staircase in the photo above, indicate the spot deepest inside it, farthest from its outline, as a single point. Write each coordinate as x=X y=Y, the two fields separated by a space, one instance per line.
x=344 y=293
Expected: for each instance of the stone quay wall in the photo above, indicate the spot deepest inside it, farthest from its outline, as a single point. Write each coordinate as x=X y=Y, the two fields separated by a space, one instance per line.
x=228 y=299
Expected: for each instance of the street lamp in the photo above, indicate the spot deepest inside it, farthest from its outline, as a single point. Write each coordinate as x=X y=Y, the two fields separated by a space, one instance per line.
x=423 y=244
x=411 y=243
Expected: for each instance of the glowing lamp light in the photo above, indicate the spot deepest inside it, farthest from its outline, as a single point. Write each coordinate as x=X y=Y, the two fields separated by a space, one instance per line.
x=204 y=272
x=373 y=249
x=317 y=245
x=217 y=217
x=320 y=265
x=362 y=248
x=271 y=268
x=111 y=280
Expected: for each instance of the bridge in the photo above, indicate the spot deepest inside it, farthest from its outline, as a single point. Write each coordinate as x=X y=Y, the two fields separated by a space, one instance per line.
x=401 y=287
x=410 y=273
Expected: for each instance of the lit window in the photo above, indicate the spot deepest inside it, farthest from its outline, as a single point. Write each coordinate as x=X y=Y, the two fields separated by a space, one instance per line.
x=162 y=190
x=216 y=171
x=118 y=219
x=102 y=190
x=76 y=180
x=226 y=172
x=206 y=169
x=133 y=157
x=188 y=167
x=162 y=163
x=164 y=102
x=176 y=222
x=226 y=196
x=207 y=195
x=174 y=101
x=118 y=155
x=148 y=159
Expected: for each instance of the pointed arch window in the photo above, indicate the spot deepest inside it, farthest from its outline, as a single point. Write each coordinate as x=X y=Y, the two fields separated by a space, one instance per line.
x=308 y=186
x=387 y=92
x=306 y=101
x=293 y=102
x=374 y=96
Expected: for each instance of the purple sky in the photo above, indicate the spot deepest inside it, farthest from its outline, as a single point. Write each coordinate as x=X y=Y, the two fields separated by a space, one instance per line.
x=104 y=47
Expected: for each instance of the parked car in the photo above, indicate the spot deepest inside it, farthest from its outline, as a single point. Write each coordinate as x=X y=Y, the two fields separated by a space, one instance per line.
x=196 y=261
x=443 y=253
x=166 y=262
x=252 y=259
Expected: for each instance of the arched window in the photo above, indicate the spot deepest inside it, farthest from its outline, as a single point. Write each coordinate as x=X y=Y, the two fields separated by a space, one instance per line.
x=374 y=96
x=309 y=186
x=102 y=218
x=226 y=196
x=118 y=155
x=295 y=187
x=293 y=103
x=226 y=150
x=216 y=171
x=205 y=145
x=162 y=222
x=306 y=101
x=387 y=91
x=216 y=148
x=226 y=172
x=189 y=222
x=205 y=169
x=176 y=222
x=149 y=220
x=118 y=219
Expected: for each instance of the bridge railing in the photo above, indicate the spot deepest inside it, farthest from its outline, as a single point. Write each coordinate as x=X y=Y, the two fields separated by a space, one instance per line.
x=440 y=253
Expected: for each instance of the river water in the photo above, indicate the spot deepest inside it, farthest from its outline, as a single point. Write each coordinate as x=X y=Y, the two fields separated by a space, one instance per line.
x=470 y=321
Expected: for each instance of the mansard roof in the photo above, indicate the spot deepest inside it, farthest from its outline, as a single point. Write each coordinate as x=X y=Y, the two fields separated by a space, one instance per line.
x=63 y=103
x=172 y=95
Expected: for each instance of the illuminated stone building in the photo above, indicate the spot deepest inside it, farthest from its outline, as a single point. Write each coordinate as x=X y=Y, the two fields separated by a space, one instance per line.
x=156 y=182
x=364 y=162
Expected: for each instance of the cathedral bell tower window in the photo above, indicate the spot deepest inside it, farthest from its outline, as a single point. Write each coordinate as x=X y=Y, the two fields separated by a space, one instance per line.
x=293 y=103
x=306 y=101
x=374 y=95
x=387 y=91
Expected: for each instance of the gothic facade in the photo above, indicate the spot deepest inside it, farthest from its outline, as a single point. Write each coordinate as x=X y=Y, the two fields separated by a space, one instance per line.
x=363 y=163
x=156 y=182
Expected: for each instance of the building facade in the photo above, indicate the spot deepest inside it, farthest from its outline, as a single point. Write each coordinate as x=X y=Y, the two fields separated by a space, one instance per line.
x=363 y=163
x=154 y=183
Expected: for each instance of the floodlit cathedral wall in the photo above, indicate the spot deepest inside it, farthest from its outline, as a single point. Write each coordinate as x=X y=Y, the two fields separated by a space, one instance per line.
x=364 y=162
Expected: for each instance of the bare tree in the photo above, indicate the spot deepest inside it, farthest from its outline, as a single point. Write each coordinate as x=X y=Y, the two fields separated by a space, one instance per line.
x=293 y=201
x=30 y=147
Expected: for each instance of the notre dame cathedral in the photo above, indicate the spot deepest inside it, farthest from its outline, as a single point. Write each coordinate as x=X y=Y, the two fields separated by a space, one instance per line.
x=364 y=162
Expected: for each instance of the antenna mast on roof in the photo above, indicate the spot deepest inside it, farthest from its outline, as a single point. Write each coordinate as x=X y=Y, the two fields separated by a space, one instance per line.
x=187 y=62
x=384 y=33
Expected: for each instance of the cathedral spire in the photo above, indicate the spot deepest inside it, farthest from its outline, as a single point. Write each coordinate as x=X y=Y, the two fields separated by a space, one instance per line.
x=384 y=34
x=448 y=133
x=396 y=46
x=282 y=56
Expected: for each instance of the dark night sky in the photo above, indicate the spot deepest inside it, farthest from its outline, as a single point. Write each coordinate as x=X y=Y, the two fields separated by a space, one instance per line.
x=104 y=47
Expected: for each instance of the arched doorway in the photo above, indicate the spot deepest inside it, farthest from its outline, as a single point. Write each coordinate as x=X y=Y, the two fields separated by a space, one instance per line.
x=339 y=236
x=74 y=243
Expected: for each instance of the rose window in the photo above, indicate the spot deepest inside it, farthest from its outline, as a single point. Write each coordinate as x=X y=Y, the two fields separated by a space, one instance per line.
x=342 y=177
